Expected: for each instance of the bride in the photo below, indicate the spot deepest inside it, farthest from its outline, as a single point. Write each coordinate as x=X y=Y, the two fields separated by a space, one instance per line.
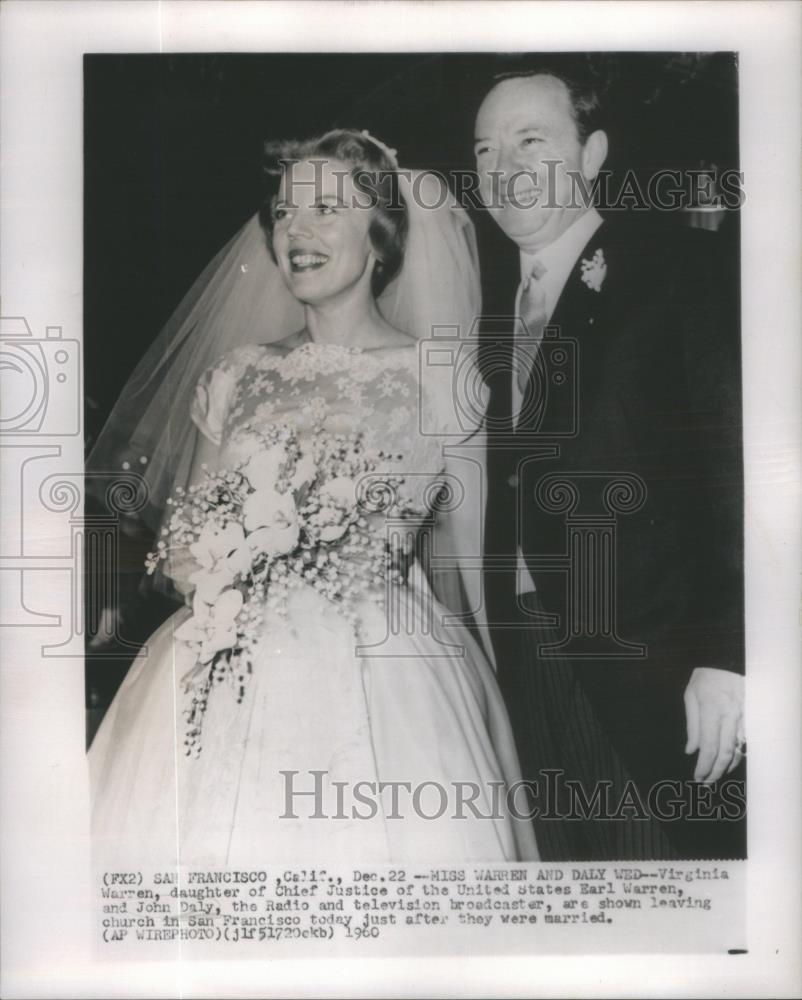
x=352 y=737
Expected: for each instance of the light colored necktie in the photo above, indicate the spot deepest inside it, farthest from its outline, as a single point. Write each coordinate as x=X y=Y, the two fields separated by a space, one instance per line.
x=529 y=326
x=530 y=322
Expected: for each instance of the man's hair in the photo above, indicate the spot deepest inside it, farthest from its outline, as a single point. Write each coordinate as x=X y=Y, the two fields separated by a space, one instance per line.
x=374 y=174
x=582 y=85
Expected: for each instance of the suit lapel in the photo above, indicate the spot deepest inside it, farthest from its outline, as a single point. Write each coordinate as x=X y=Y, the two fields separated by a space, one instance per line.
x=581 y=315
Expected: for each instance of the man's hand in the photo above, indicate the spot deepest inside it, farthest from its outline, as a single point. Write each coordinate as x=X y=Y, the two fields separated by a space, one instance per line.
x=714 y=711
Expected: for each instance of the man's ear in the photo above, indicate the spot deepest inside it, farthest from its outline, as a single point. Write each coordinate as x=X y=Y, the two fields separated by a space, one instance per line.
x=594 y=153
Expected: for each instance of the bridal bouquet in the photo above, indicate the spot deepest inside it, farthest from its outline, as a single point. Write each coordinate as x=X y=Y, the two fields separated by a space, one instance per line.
x=287 y=517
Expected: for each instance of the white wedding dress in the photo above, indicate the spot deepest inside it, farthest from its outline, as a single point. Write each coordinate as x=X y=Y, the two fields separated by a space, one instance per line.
x=422 y=709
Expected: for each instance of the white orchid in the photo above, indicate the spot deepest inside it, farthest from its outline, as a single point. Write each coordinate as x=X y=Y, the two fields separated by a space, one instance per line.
x=332 y=532
x=212 y=626
x=271 y=519
x=223 y=554
x=341 y=489
x=208 y=584
x=216 y=545
x=262 y=471
x=326 y=515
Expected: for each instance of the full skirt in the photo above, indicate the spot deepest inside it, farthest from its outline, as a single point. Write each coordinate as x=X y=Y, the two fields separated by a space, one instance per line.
x=394 y=747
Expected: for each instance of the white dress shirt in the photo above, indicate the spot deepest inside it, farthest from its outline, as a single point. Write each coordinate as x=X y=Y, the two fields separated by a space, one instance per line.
x=558 y=259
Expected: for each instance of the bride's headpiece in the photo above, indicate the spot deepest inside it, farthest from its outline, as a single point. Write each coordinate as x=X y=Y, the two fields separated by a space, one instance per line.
x=391 y=154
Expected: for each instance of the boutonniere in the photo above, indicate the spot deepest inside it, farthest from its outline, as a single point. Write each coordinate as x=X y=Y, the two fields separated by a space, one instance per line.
x=594 y=271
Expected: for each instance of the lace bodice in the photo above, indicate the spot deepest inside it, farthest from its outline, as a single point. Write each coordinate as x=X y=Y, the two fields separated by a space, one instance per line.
x=402 y=413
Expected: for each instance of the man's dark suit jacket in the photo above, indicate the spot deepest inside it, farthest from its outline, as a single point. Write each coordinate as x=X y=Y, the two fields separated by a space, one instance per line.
x=658 y=396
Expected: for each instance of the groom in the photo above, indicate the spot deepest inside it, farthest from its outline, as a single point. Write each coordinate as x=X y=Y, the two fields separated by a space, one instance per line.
x=615 y=485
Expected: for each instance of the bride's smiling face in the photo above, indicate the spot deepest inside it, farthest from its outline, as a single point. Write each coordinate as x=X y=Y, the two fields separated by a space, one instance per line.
x=320 y=233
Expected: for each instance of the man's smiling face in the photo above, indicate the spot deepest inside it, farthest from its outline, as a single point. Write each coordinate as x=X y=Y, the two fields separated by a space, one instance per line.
x=526 y=145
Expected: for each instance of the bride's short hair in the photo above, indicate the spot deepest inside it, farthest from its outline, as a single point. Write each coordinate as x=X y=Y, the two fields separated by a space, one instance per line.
x=374 y=174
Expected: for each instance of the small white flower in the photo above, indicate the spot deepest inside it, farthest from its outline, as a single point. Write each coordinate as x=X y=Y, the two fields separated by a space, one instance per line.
x=594 y=271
